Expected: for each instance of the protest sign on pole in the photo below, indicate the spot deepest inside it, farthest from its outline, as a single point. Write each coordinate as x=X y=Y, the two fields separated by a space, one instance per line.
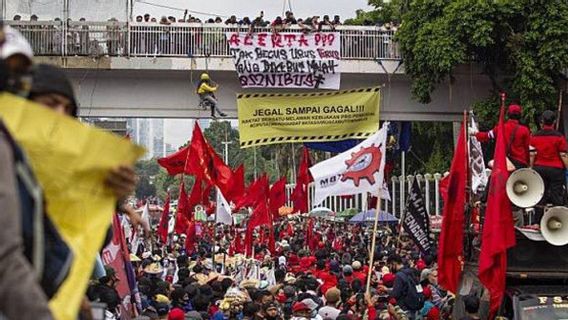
x=416 y=221
x=286 y=60
x=307 y=117
x=478 y=176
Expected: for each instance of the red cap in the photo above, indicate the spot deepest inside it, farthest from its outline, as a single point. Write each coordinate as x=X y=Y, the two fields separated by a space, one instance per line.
x=515 y=109
x=300 y=306
x=427 y=292
x=433 y=314
x=388 y=279
x=176 y=314
x=420 y=265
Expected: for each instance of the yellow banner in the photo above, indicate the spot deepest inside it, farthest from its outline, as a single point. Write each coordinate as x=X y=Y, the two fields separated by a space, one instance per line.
x=71 y=161
x=307 y=117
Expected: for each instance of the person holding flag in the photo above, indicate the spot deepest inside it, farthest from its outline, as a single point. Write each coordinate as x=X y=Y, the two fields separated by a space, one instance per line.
x=517 y=137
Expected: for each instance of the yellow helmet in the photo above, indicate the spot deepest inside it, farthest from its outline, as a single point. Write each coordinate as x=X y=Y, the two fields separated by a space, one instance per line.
x=204 y=76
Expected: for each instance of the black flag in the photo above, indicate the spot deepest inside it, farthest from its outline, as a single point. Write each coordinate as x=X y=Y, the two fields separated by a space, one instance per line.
x=416 y=220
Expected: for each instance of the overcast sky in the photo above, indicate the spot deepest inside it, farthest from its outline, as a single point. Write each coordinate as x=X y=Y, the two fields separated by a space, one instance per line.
x=240 y=8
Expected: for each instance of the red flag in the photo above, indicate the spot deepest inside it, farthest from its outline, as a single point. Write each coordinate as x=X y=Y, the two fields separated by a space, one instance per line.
x=190 y=238
x=164 y=221
x=182 y=212
x=255 y=193
x=199 y=161
x=271 y=240
x=277 y=198
x=310 y=232
x=443 y=187
x=260 y=216
x=194 y=197
x=300 y=194
x=222 y=173
x=237 y=185
x=237 y=245
x=498 y=228
x=450 y=255
x=175 y=162
x=205 y=196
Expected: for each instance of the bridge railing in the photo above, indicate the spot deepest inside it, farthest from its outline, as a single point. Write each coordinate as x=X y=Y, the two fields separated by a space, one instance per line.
x=398 y=188
x=57 y=38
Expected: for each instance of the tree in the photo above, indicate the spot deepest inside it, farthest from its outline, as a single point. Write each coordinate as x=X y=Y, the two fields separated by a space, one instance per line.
x=146 y=170
x=385 y=11
x=520 y=44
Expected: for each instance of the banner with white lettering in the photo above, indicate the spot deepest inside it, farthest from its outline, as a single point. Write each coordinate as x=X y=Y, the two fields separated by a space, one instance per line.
x=416 y=221
x=476 y=162
x=286 y=59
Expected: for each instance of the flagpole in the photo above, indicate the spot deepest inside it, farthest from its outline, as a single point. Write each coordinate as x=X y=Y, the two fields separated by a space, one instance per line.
x=215 y=228
x=402 y=217
x=373 y=242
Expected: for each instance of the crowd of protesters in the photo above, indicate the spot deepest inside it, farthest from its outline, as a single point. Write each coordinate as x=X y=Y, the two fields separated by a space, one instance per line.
x=310 y=275
x=150 y=38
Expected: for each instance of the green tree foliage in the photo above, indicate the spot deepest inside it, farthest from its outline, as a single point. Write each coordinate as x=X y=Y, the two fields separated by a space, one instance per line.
x=521 y=45
x=431 y=147
x=385 y=12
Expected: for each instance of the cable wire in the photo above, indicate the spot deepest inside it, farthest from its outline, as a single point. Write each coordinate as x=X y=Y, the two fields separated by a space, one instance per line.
x=181 y=9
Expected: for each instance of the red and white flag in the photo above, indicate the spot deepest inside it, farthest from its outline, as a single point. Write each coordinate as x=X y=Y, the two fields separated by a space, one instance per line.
x=357 y=170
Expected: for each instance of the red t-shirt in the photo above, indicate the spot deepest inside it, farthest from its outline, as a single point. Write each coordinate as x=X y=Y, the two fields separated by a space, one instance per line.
x=519 y=149
x=360 y=275
x=548 y=144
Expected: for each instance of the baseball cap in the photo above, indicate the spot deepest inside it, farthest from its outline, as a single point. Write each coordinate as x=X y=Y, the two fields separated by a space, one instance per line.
x=15 y=43
x=515 y=109
x=300 y=306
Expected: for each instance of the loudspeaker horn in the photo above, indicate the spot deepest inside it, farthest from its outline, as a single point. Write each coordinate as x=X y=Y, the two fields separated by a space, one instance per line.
x=554 y=226
x=525 y=188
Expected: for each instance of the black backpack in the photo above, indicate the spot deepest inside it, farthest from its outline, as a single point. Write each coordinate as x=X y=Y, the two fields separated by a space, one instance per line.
x=413 y=300
x=44 y=248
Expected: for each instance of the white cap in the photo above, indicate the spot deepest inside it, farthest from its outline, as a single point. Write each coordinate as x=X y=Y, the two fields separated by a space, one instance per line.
x=15 y=44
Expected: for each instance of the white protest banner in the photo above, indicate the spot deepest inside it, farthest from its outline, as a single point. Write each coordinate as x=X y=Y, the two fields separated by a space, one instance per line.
x=478 y=176
x=286 y=60
x=357 y=170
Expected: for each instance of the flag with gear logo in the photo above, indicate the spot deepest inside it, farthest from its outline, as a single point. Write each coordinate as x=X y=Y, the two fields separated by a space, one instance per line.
x=357 y=170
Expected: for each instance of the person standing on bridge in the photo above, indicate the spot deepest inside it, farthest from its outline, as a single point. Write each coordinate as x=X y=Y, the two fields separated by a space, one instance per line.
x=206 y=91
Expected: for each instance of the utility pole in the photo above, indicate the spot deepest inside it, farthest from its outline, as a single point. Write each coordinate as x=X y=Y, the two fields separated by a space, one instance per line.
x=226 y=151
x=254 y=161
x=226 y=143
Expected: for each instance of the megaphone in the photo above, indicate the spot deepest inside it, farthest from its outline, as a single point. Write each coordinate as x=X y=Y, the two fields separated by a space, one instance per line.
x=554 y=226
x=525 y=188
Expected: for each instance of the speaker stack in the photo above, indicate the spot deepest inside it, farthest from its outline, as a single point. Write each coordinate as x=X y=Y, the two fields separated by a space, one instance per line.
x=541 y=259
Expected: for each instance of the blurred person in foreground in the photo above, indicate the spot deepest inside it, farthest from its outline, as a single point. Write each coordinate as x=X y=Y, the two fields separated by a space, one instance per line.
x=52 y=88
x=21 y=295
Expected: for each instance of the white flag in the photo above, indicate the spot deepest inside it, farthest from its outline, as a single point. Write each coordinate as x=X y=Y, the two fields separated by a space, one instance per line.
x=138 y=235
x=477 y=165
x=223 y=211
x=146 y=217
x=357 y=170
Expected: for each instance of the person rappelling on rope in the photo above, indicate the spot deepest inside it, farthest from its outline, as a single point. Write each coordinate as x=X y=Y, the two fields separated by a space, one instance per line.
x=206 y=91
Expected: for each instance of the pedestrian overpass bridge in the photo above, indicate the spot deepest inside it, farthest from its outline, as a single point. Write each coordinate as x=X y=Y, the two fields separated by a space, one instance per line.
x=133 y=70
